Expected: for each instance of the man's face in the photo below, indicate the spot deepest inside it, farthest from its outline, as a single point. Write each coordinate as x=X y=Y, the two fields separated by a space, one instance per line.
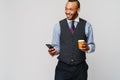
x=71 y=10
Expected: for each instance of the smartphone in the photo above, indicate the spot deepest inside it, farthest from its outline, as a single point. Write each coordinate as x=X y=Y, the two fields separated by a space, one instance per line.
x=49 y=46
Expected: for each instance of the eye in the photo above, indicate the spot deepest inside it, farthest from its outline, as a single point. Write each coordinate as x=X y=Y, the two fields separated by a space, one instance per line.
x=71 y=9
x=66 y=8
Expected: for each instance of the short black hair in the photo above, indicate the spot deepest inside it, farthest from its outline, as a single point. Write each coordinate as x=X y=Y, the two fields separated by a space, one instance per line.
x=78 y=3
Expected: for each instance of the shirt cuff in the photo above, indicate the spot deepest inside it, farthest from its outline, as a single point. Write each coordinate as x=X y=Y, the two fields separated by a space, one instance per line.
x=90 y=49
x=57 y=49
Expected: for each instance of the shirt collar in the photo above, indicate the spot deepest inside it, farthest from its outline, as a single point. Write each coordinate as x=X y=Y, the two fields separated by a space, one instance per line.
x=76 y=20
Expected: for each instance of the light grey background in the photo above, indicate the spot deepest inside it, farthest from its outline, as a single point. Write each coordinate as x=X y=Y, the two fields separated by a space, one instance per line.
x=27 y=25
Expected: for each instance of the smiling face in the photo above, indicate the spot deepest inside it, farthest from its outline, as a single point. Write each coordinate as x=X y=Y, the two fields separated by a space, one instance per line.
x=71 y=10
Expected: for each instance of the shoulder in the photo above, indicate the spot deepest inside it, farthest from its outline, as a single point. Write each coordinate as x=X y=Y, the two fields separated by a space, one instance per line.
x=83 y=20
x=57 y=25
x=87 y=23
x=63 y=20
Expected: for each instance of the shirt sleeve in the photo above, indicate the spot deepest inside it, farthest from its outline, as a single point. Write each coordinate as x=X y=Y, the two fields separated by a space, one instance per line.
x=56 y=37
x=90 y=38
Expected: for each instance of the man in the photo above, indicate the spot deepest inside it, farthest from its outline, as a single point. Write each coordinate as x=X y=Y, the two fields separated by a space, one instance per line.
x=71 y=60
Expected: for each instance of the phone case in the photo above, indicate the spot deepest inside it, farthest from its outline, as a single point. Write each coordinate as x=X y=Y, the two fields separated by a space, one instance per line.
x=49 y=46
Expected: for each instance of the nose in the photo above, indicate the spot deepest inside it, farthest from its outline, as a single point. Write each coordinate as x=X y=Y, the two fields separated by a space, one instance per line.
x=67 y=11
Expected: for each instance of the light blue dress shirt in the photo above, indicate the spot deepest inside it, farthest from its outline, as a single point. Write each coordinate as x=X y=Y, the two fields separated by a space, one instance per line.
x=88 y=32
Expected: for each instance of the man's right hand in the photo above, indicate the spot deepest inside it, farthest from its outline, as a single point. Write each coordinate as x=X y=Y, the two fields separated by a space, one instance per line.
x=52 y=51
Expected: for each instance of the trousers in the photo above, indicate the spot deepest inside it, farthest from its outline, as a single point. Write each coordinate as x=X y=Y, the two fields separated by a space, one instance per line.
x=65 y=71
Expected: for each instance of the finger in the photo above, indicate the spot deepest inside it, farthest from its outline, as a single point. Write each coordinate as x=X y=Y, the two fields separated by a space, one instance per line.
x=85 y=49
x=51 y=53
x=51 y=49
x=84 y=46
x=54 y=52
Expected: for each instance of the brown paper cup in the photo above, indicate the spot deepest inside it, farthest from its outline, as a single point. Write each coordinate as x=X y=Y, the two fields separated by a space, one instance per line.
x=80 y=42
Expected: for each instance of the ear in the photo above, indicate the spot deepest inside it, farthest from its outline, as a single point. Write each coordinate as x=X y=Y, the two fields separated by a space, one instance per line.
x=78 y=10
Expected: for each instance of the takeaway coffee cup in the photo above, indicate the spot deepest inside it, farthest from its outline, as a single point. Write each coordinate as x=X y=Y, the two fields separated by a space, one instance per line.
x=80 y=43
